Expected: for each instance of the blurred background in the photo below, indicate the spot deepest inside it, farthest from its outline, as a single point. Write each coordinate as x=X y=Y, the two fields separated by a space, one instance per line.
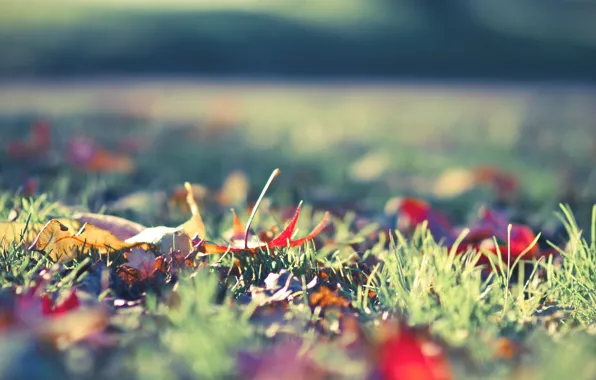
x=353 y=99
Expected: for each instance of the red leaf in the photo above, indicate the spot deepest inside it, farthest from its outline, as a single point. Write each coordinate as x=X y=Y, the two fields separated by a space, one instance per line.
x=405 y=357
x=86 y=155
x=49 y=308
x=283 y=240
x=317 y=230
x=38 y=142
x=505 y=184
x=286 y=234
x=413 y=212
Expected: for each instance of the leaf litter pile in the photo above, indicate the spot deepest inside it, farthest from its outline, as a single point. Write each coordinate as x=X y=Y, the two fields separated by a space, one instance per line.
x=247 y=287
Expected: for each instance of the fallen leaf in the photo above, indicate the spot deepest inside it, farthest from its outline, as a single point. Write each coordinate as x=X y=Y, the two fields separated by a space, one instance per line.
x=370 y=167
x=174 y=238
x=15 y=232
x=141 y=266
x=283 y=361
x=84 y=154
x=325 y=297
x=195 y=225
x=61 y=322
x=38 y=142
x=177 y=197
x=454 y=182
x=53 y=309
x=62 y=243
x=279 y=287
x=506 y=349
x=411 y=212
x=284 y=239
x=505 y=184
x=403 y=356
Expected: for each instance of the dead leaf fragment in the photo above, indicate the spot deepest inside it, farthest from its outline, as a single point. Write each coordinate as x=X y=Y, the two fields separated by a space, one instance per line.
x=325 y=297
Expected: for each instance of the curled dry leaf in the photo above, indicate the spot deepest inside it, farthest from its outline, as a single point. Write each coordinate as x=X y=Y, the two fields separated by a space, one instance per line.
x=174 y=238
x=195 y=225
x=141 y=266
x=63 y=243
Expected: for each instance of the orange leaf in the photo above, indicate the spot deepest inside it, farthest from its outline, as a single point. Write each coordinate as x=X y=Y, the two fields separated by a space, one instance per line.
x=325 y=297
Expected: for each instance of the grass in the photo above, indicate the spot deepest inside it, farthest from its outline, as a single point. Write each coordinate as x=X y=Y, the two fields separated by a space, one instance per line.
x=415 y=279
x=217 y=320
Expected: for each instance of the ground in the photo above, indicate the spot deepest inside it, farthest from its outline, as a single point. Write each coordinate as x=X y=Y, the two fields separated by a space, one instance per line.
x=387 y=288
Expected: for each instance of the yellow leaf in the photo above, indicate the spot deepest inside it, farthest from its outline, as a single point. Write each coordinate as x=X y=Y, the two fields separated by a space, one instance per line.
x=194 y=226
x=63 y=243
x=15 y=232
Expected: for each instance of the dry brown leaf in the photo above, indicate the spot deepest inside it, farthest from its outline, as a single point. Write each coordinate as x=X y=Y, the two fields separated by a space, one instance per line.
x=63 y=243
x=325 y=297
x=21 y=232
